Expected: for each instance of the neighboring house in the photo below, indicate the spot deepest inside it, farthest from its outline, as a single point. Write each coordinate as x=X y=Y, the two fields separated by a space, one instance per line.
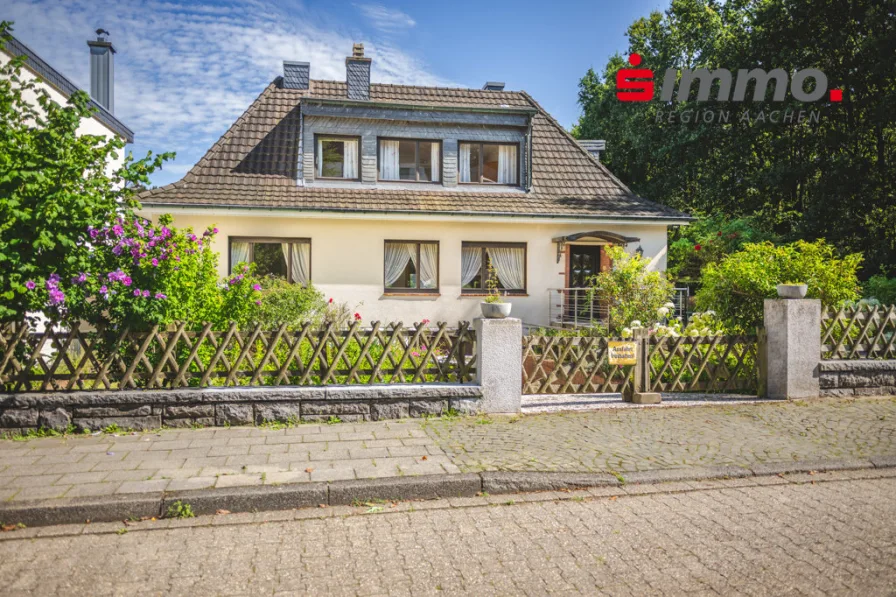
x=398 y=197
x=60 y=88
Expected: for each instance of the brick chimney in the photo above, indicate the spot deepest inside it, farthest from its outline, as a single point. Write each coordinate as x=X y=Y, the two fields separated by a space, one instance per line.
x=357 y=74
x=102 y=70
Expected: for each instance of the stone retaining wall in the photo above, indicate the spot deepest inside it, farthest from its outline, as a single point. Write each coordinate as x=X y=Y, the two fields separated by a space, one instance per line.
x=857 y=378
x=151 y=409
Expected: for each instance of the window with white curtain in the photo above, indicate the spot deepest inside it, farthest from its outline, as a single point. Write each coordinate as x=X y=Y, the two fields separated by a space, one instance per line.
x=287 y=258
x=488 y=163
x=410 y=160
x=338 y=157
x=411 y=266
x=507 y=261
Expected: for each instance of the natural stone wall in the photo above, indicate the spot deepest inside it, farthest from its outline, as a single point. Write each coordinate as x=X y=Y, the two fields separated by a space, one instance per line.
x=857 y=378
x=210 y=407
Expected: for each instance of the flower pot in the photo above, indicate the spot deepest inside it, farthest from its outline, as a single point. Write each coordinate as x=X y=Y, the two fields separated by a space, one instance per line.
x=792 y=291
x=495 y=310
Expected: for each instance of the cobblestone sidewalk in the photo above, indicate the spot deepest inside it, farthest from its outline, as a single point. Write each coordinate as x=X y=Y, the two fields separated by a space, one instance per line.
x=645 y=439
x=606 y=440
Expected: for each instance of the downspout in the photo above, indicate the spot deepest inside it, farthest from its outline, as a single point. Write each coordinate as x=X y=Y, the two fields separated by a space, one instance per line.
x=529 y=155
x=300 y=166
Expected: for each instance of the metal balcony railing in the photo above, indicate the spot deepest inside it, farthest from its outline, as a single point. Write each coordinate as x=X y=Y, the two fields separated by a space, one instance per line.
x=573 y=307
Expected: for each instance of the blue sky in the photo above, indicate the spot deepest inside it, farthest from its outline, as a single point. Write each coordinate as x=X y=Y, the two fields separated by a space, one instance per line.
x=185 y=71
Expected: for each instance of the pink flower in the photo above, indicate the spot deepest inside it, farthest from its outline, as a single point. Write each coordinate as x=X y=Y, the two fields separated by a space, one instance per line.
x=258 y=303
x=155 y=262
x=256 y=287
x=30 y=284
x=424 y=322
x=357 y=317
x=136 y=292
x=160 y=296
x=145 y=293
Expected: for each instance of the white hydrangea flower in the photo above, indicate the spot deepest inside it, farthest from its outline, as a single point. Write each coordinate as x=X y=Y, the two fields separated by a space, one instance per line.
x=636 y=323
x=662 y=311
x=626 y=332
x=669 y=305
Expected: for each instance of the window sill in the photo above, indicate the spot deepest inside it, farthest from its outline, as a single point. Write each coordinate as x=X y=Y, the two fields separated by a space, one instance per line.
x=420 y=295
x=485 y=294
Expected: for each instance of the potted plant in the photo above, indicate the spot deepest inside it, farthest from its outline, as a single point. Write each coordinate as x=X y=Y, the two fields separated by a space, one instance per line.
x=792 y=290
x=493 y=307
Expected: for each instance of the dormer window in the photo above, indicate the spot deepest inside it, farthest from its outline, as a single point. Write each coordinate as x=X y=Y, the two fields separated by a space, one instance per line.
x=338 y=157
x=488 y=163
x=409 y=160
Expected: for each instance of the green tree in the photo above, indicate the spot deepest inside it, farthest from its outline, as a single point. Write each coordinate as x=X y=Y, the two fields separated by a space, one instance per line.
x=55 y=185
x=805 y=180
x=735 y=288
x=631 y=291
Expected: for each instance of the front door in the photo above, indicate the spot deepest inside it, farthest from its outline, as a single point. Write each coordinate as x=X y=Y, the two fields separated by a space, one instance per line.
x=584 y=262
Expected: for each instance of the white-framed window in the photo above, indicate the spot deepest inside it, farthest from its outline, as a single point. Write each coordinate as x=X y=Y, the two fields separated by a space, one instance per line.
x=338 y=157
x=488 y=163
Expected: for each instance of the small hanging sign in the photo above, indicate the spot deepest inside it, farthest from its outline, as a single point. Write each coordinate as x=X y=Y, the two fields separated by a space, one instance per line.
x=621 y=353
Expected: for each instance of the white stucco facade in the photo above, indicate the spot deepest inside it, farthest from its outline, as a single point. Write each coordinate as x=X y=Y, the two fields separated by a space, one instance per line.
x=347 y=255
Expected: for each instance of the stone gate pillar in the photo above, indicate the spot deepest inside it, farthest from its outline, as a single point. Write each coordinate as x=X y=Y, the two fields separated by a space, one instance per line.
x=499 y=368
x=793 y=347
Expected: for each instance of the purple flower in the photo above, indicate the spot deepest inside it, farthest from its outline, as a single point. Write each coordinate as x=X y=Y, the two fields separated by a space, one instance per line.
x=80 y=278
x=160 y=296
x=136 y=292
x=30 y=284
x=126 y=281
x=104 y=290
x=145 y=293
x=117 y=230
x=155 y=262
x=256 y=287
x=56 y=296
x=258 y=303
x=54 y=279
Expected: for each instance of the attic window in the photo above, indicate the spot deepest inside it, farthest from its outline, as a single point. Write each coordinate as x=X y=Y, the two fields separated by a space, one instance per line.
x=409 y=160
x=338 y=157
x=488 y=163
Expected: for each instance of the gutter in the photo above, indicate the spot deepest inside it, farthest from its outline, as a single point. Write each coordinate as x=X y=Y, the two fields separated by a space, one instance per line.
x=361 y=213
x=418 y=107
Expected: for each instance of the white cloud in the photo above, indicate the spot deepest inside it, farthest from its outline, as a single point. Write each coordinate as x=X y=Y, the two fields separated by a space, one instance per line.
x=385 y=19
x=183 y=74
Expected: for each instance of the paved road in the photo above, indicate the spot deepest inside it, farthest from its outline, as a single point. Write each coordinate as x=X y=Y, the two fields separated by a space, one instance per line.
x=752 y=537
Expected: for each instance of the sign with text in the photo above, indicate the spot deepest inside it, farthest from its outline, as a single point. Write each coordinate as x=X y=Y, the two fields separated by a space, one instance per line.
x=621 y=353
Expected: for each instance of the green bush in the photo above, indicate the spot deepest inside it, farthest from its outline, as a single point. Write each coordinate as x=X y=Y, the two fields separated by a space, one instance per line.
x=290 y=304
x=881 y=288
x=632 y=292
x=709 y=240
x=736 y=287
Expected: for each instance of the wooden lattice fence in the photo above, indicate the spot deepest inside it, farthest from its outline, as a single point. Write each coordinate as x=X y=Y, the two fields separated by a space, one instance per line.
x=578 y=365
x=74 y=358
x=862 y=332
x=703 y=364
x=570 y=365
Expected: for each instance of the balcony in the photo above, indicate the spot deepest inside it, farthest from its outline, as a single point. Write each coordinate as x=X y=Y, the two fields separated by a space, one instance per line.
x=573 y=308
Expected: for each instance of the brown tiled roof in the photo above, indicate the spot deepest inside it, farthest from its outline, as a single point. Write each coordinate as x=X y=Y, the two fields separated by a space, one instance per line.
x=254 y=165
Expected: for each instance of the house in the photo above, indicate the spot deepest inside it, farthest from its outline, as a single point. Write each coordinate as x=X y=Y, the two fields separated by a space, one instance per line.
x=60 y=87
x=397 y=198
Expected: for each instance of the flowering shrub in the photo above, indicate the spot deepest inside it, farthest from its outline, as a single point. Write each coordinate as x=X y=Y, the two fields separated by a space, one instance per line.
x=142 y=274
x=290 y=304
x=630 y=290
x=700 y=324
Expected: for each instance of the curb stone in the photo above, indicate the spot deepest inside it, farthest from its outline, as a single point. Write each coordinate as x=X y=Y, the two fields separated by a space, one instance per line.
x=117 y=508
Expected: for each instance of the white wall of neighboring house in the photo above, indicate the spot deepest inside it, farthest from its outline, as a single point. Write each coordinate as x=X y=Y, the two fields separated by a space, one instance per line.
x=89 y=126
x=347 y=257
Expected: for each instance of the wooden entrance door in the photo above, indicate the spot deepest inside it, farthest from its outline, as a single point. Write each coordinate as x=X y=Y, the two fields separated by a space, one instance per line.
x=584 y=262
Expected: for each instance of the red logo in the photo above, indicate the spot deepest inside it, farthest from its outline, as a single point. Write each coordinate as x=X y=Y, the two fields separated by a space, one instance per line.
x=630 y=90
